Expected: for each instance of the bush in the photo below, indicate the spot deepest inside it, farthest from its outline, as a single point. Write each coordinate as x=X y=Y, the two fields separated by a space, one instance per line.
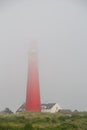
x=28 y=126
x=63 y=118
x=68 y=126
x=7 y=127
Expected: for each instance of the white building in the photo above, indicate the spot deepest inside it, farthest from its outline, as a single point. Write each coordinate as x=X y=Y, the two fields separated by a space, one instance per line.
x=51 y=107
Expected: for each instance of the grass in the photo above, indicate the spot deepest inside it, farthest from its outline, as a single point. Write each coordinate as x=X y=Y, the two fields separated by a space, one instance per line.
x=43 y=121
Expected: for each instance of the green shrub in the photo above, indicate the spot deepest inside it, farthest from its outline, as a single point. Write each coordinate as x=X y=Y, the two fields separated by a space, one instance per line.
x=28 y=126
x=63 y=118
x=68 y=126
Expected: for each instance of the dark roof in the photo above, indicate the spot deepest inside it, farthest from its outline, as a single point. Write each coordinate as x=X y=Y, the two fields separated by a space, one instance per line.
x=48 y=106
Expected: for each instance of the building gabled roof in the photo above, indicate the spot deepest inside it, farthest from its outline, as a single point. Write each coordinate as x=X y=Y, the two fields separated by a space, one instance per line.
x=21 y=108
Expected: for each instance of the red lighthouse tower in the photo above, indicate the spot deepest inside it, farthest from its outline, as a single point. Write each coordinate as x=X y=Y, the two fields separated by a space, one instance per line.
x=33 y=91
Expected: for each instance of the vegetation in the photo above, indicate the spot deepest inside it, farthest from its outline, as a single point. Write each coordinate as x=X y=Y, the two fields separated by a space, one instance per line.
x=43 y=121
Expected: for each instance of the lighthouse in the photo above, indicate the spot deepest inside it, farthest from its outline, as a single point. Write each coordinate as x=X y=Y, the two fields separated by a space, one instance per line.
x=33 y=102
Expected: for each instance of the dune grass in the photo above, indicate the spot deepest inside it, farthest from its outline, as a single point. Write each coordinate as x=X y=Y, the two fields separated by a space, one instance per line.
x=43 y=121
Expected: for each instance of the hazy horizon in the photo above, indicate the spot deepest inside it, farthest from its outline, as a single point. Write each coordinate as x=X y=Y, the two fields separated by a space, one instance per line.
x=60 y=29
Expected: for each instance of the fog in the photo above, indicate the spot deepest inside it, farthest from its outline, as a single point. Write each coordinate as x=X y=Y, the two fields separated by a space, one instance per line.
x=59 y=27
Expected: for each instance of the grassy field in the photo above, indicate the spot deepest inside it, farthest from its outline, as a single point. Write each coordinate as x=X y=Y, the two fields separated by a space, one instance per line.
x=43 y=121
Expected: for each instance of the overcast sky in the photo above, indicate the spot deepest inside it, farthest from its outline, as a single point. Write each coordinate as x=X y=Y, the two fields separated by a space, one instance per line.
x=60 y=29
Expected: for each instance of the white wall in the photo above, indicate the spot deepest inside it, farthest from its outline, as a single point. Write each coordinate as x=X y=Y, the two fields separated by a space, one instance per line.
x=54 y=109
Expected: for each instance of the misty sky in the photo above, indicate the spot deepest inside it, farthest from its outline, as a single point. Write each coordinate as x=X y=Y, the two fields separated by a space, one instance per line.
x=60 y=29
